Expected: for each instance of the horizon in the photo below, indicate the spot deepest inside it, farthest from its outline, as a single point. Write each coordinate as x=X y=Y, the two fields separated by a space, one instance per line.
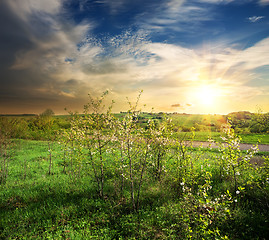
x=124 y=112
x=193 y=57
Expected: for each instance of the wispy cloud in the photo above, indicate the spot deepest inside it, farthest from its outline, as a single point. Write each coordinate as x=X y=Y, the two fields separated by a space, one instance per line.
x=255 y=18
x=264 y=2
x=25 y=9
x=216 y=1
x=115 y=6
x=176 y=15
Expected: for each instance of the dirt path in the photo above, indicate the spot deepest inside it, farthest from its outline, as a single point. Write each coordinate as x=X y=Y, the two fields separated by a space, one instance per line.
x=243 y=146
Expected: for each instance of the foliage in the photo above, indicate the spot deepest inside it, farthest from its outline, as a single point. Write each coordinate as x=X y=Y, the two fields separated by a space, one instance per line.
x=47 y=113
x=246 y=122
x=233 y=161
x=260 y=123
x=251 y=127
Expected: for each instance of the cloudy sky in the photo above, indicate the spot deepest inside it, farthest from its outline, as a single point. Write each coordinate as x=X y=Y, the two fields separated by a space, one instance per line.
x=195 y=56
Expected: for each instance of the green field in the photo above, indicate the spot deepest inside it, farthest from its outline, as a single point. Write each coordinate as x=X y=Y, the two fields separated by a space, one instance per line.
x=37 y=205
x=205 y=126
x=131 y=176
x=255 y=138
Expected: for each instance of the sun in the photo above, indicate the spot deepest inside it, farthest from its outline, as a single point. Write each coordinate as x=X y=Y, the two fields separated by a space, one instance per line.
x=206 y=95
x=206 y=98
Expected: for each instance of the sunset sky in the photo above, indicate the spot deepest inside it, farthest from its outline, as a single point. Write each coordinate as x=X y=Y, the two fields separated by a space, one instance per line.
x=195 y=56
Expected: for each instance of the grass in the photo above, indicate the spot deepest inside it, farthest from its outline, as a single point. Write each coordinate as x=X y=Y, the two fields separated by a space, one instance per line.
x=254 y=138
x=36 y=205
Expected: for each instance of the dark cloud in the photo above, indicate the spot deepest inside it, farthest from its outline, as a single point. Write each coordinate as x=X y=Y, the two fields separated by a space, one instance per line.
x=15 y=85
x=13 y=36
x=31 y=52
x=176 y=105
x=71 y=82
x=181 y=105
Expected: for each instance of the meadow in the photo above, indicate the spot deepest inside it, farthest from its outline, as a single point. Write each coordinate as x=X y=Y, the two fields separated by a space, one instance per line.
x=101 y=176
x=206 y=127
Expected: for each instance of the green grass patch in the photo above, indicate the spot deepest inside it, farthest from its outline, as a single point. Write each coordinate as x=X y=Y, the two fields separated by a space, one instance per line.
x=37 y=205
x=255 y=138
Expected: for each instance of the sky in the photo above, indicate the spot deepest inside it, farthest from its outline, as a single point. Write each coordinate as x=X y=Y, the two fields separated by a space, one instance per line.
x=195 y=56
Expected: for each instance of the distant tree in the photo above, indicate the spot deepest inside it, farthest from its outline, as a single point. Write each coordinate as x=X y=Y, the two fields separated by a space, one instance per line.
x=260 y=122
x=47 y=113
x=42 y=125
x=239 y=120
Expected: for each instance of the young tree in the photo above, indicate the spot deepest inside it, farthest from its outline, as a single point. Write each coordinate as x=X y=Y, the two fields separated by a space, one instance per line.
x=98 y=128
x=90 y=138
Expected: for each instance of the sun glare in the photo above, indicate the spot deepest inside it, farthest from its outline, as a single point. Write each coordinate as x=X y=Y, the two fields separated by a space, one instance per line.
x=206 y=95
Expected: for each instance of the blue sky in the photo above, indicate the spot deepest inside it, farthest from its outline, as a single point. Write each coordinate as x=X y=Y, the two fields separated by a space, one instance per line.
x=197 y=56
